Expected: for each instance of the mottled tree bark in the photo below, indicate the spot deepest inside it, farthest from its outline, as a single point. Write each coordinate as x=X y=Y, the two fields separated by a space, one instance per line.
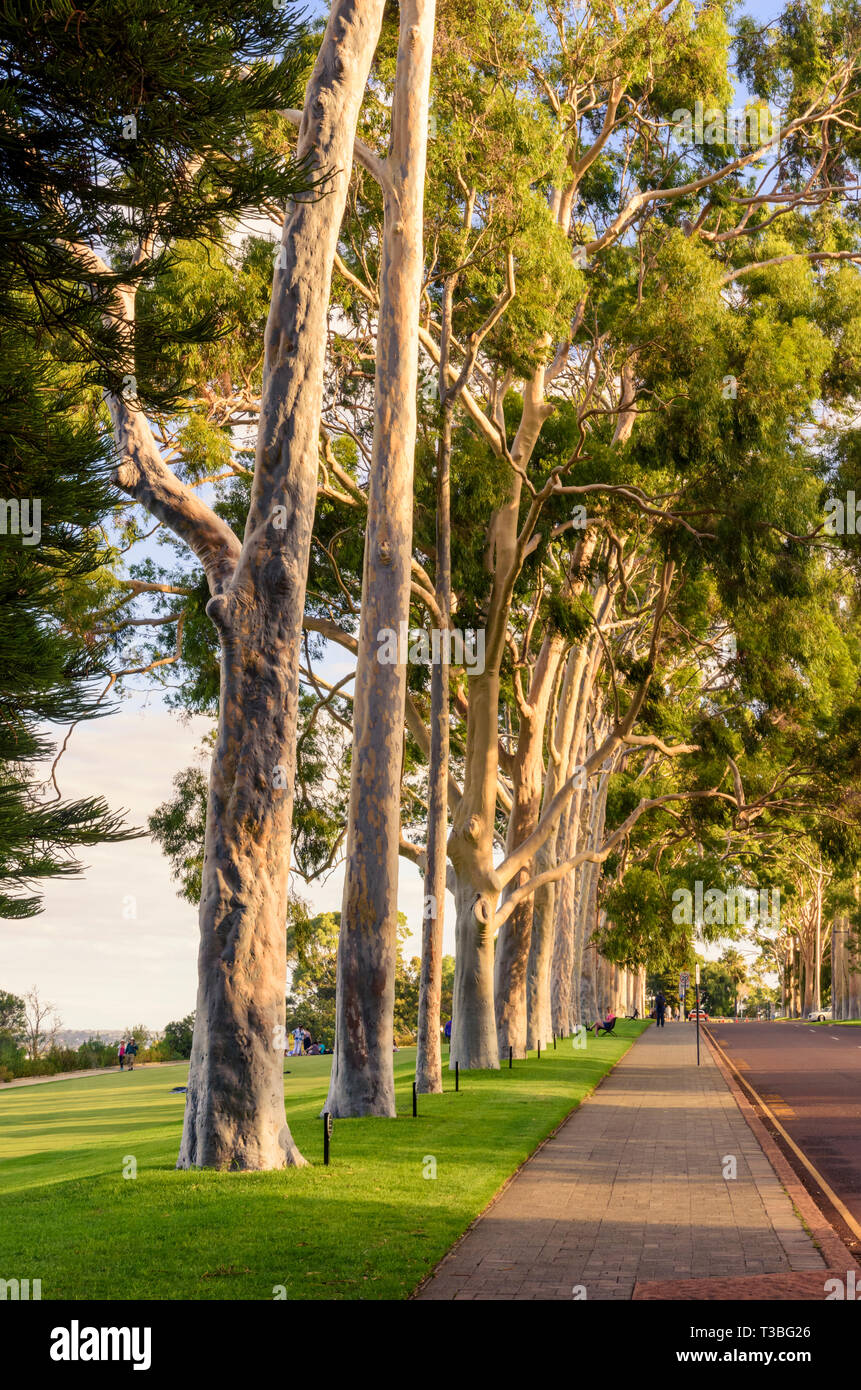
x=533 y=788
x=428 y=1040
x=562 y=958
x=567 y=958
x=362 y=1080
x=513 y=941
x=470 y=848
x=473 y=1031
x=853 y=968
x=796 y=978
x=563 y=748
x=551 y=950
x=234 y=1115
x=471 y=840
x=587 y=918
x=838 y=969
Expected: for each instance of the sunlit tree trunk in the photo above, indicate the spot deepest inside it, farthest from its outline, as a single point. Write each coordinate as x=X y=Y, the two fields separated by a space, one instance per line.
x=471 y=841
x=234 y=1115
x=838 y=968
x=362 y=1080
x=539 y=1019
x=428 y=1041
x=513 y=941
x=587 y=919
x=534 y=788
x=853 y=966
x=565 y=1008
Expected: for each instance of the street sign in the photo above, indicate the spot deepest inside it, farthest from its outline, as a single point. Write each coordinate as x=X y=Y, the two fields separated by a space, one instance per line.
x=684 y=982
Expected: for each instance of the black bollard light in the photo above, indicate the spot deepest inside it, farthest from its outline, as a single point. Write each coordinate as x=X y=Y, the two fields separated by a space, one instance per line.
x=554 y=1042
x=415 y=1102
x=327 y=1134
x=510 y=1058
x=539 y=1052
x=457 y=1076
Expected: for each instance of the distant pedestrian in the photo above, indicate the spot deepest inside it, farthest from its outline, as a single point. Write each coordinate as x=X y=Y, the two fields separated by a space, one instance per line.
x=131 y=1053
x=307 y=1040
x=121 y=1053
x=660 y=1008
x=447 y=1031
x=298 y=1041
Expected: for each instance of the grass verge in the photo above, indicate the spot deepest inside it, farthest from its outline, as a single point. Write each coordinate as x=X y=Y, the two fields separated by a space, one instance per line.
x=371 y=1225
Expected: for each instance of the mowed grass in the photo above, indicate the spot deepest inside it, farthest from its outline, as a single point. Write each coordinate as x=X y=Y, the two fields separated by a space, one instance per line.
x=371 y=1225
x=830 y=1022
x=825 y=1023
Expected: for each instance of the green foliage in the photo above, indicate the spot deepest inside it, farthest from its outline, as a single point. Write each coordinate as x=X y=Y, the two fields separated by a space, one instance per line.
x=178 y=1036
x=132 y=121
x=53 y=482
x=179 y=826
x=13 y=1018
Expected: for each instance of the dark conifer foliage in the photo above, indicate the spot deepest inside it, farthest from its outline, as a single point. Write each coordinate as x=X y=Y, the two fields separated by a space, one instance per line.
x=123 y=127
x=128 y=125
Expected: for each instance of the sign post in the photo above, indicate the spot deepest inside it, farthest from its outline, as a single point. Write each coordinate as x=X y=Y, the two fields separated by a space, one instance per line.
x=684 y=982
x=697 y=997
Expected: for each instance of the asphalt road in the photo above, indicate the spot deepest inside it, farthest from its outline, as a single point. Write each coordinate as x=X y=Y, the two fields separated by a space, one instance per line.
x=810 y=1077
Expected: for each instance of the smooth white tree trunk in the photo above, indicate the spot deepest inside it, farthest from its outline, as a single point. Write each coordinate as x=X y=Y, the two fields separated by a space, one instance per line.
x=362 y=1080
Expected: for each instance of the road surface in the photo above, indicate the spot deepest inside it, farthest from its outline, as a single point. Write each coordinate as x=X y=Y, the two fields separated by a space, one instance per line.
x=810 y=1077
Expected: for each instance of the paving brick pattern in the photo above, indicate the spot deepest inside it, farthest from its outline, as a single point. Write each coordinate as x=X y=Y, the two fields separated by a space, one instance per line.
x=631 y=1191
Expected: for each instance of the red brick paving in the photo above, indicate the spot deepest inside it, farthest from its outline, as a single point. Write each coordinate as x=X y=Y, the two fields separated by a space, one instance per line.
x=630 y=1196
x=759 y=1288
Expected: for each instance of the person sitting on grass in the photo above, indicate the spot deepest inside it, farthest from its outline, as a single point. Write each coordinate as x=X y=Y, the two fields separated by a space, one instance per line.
x=607 y=1025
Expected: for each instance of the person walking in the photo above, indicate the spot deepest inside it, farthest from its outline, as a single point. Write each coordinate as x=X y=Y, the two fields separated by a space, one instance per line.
x=131 y=1053
x=298 y=1041
x=660 y=1008
x=121 y=1053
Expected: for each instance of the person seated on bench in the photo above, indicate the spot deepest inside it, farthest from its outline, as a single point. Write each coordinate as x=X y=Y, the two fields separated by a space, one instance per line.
x=608 y=1025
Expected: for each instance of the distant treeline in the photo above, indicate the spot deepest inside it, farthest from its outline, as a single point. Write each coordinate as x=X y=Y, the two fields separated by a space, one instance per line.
x=174 y=1044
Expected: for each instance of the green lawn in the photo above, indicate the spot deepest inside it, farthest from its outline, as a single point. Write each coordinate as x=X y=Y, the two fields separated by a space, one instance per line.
x=369 y=1226
x=830 y=1022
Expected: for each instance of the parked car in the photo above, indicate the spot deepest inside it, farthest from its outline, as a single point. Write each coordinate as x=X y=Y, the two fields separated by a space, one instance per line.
x=694 y=1013
x=820 y=1015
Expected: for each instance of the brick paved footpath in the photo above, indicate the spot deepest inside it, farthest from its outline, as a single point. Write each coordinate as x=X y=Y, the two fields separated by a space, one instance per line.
x=631 y=1190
